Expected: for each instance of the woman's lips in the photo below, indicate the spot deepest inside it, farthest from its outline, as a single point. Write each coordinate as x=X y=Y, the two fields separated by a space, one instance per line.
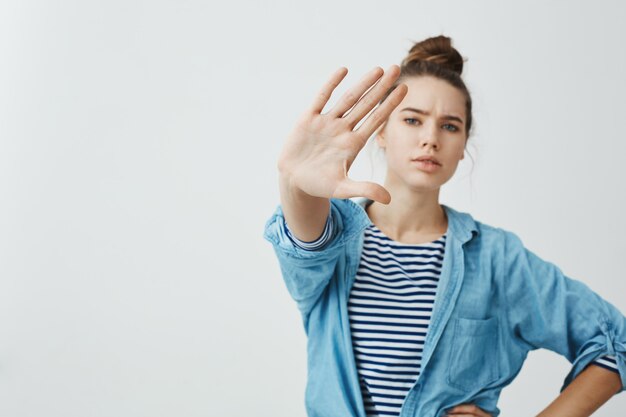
x=427 y=166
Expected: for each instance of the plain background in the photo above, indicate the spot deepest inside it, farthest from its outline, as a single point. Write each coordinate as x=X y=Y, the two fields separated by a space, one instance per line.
x=138 y=143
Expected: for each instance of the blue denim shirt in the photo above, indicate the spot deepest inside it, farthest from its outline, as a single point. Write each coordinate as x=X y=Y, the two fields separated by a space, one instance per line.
x=496 y=301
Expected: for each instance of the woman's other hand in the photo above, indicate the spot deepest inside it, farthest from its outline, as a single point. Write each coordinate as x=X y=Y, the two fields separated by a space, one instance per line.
x=467 y=410
x=321 y=147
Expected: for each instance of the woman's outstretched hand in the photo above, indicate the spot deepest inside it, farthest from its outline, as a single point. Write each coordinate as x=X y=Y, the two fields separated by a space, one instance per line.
x=321 y=147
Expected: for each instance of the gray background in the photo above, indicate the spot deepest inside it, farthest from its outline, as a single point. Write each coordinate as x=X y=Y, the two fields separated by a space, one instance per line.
x=138 y=143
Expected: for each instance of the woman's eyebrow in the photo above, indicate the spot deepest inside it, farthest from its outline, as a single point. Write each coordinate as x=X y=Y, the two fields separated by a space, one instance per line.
x=445 y=116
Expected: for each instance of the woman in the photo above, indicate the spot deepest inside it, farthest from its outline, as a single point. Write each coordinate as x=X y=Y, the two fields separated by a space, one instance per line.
x=410 y=307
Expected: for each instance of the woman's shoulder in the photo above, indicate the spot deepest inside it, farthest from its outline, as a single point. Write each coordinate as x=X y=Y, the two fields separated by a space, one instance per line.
x=485 y=233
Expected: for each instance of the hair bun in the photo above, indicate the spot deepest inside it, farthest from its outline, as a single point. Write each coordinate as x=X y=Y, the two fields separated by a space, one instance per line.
x=438 y=50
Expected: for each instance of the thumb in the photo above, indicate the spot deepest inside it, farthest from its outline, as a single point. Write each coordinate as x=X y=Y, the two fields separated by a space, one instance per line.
x=349 y=188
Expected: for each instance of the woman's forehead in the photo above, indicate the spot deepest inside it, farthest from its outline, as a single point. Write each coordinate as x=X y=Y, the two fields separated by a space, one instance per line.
x=433 y=95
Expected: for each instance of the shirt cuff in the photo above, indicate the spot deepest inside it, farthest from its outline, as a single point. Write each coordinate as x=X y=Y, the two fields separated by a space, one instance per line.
x=318 y=243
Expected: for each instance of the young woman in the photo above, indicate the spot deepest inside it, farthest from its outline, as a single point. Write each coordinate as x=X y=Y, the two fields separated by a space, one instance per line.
x=412 y=308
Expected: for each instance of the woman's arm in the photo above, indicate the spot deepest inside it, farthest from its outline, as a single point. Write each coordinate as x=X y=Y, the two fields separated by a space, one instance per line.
x=585 y=394
x=556 y=312
x=306 y=215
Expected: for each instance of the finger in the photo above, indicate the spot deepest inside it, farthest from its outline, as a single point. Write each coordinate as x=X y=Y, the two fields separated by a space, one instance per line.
x=382 y=112
x=324 y=94
x=350 y=188
x=371 y=99
x=354 y=94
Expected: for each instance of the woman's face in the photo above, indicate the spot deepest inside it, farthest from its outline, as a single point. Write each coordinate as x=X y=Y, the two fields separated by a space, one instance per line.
x=430 y=120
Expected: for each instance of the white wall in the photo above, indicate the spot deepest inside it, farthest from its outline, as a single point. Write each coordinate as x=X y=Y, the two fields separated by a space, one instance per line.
x=138 y=142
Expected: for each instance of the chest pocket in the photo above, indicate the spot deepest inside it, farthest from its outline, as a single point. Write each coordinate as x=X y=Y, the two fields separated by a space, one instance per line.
x=472 y=360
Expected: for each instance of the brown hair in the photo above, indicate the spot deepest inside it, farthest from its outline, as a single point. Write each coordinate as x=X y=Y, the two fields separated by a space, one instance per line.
x=435 y=56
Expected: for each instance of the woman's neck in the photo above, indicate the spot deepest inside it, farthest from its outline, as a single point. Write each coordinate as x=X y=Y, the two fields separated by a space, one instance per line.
x=410 y=218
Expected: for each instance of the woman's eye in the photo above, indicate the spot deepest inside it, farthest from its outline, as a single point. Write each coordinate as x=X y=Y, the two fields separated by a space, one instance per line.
x=447 y=126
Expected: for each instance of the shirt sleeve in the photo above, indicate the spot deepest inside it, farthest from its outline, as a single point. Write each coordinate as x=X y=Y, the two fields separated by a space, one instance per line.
x=307 y=270
x=547 y=309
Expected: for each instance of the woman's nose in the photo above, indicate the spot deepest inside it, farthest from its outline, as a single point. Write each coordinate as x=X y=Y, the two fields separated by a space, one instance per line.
x=429 y=135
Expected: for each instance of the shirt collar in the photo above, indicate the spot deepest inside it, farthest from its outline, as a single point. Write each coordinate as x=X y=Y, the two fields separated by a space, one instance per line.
x=460 y=224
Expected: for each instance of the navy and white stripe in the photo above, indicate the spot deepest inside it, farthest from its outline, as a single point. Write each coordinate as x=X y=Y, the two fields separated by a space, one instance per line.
x=608 y=362
x=318 y=243
x=390 y=308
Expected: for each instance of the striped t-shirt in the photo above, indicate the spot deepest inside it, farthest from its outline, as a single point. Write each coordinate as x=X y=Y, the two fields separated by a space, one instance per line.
x=390 y=307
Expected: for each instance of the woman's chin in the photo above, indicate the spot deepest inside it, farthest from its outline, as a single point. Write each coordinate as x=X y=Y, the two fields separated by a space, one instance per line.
x=423 y=186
